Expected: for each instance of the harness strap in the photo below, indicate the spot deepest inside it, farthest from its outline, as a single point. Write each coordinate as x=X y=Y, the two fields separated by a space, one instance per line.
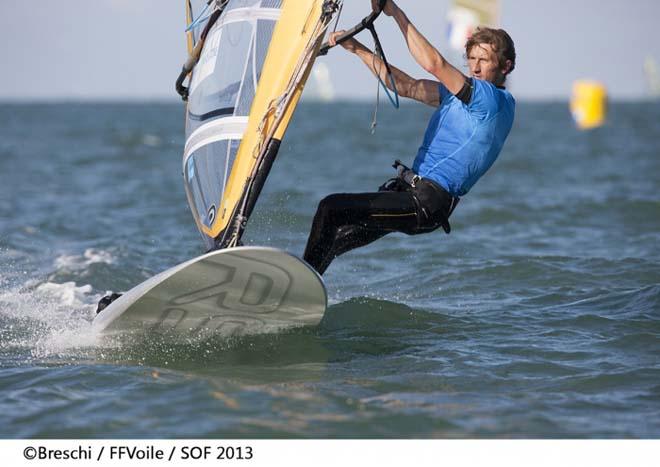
x=405 y=173
x=410 y=179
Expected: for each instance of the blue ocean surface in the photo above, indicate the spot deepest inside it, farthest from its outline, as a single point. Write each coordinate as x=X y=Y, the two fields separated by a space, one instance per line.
x=538 y=317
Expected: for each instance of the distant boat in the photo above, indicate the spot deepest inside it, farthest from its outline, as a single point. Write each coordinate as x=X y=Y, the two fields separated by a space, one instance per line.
x=652 y=76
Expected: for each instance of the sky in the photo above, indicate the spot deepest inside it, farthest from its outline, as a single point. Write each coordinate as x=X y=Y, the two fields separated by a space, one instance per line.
x=134 y=49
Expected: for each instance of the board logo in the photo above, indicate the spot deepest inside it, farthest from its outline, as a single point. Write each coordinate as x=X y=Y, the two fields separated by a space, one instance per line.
x=235 y=294
x=225 y=324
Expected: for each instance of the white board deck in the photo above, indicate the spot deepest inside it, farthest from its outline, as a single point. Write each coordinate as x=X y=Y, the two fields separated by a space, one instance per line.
x=244 y=290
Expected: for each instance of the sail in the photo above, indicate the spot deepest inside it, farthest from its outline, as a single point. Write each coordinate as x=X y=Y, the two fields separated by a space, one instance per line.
x=652 y=77
x=255 y=58
x=319 y=87
x=465 y=16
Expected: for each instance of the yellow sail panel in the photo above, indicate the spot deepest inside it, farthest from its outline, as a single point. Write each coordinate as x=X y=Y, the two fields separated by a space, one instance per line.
x=291 y=37
x=465 y=16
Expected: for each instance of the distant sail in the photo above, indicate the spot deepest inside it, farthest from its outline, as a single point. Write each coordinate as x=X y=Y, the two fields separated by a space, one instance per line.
x=320 y=87
x=652 y=76
x=255 y=59
x=465 y=16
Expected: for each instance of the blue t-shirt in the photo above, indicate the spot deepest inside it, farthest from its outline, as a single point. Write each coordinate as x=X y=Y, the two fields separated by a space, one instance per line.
x=463 y=140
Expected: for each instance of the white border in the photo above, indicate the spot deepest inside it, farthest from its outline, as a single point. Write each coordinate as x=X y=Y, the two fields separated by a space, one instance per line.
x=332 y=453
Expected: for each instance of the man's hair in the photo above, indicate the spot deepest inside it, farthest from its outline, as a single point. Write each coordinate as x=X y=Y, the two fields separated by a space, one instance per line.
x=499 y=40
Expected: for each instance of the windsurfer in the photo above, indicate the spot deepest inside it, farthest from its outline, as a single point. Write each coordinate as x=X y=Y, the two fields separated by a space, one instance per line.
x=464 y=137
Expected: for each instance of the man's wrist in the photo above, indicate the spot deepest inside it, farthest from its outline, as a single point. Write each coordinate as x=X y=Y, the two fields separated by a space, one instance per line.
x=395 y=10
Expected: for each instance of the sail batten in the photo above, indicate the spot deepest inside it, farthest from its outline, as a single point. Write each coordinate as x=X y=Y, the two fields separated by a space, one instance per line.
x=226 y=128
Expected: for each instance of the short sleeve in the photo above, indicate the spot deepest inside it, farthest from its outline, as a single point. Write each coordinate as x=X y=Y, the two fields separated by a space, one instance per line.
x=484 y=103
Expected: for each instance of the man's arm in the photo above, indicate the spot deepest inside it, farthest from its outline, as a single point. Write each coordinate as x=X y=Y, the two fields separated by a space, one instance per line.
x=424 y=91
x=423 y=52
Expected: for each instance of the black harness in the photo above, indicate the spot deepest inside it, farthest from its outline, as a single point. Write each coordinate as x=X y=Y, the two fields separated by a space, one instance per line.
x=434 y=204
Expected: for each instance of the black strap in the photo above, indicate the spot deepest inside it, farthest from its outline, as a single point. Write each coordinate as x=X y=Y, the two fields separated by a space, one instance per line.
x=465 y=94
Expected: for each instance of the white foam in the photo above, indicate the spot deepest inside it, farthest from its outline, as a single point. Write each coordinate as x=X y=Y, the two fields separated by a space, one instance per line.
x=89 y=257
x=67 y=294
x=54 y=319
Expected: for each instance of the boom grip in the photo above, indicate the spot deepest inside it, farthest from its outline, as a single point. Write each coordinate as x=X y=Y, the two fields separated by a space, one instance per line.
x=182 y=90
x=364 y=24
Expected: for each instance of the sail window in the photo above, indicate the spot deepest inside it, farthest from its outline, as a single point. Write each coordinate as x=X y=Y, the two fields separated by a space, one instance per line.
x=209 y=166
x=234 y=4
x=264 y=34
x=271 y=4
x=217 y=93
x=248 y=88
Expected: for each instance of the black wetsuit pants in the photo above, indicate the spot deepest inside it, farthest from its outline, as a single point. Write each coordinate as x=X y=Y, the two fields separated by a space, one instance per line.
x=346 y=221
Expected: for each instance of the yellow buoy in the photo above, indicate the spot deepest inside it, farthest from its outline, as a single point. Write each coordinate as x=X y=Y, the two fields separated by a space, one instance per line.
x=589 y=104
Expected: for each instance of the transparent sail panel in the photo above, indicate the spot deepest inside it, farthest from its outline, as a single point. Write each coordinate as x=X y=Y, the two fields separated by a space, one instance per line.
x=233 y=4
x=202 y=170
x=206 y=174
x=216 y=92
x=248 y=88
x=271 y=3
x=264 y=34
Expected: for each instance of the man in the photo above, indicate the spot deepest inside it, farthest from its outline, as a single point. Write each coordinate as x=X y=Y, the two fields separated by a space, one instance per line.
x=464 y=137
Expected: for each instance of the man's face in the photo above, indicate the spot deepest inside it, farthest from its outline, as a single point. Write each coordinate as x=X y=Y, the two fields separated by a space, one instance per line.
x=483 y=64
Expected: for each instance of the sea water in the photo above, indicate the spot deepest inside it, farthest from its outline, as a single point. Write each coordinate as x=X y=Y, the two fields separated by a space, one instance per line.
x=539 y=316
